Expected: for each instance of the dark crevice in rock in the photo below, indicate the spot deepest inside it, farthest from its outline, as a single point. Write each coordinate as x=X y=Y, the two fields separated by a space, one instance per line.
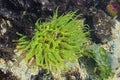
x=42 y=75
x=7 y=76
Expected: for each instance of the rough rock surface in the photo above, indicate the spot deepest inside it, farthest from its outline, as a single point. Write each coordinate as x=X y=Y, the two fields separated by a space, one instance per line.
x=24 y=72
x=20 y=16
x=21 y=70
x=113 y=47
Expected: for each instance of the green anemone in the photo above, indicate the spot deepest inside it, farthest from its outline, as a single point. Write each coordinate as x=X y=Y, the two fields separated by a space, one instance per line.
x=55 y=42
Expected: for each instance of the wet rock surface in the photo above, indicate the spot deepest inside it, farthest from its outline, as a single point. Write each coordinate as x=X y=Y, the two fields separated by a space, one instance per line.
x=23 y=14
x=20 y=16
x=102 y=25
x=114 y=47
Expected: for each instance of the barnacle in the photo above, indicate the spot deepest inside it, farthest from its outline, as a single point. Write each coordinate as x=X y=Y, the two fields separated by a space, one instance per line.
x=55 y=42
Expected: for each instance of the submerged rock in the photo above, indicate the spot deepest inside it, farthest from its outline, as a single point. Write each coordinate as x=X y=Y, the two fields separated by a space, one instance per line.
x=103 y=25
x=20 y=16
x=113 y=47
